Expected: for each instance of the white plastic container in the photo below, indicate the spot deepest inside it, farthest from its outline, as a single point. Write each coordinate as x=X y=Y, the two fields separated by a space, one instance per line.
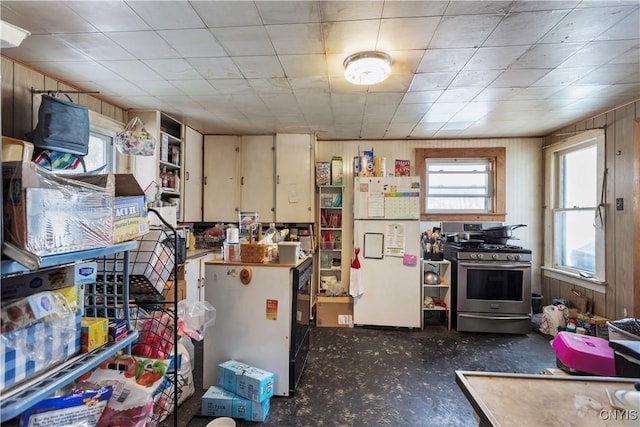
x=288 y=252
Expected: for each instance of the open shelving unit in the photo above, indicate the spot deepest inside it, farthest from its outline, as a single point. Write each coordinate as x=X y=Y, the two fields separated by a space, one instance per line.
x=330 y=234
x=440 y=293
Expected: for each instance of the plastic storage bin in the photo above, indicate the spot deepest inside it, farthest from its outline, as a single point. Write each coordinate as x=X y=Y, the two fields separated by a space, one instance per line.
x=288 y=252
x=585 y=353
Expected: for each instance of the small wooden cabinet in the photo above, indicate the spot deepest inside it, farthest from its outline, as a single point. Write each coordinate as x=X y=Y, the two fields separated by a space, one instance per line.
x=436 y=298
x=193 y=270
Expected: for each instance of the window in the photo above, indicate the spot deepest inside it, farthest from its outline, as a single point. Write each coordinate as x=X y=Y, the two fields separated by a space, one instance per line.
x=575 y=206
x=462 y=184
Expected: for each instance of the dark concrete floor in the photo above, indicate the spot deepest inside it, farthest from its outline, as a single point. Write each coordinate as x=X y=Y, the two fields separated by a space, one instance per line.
x=389 y=377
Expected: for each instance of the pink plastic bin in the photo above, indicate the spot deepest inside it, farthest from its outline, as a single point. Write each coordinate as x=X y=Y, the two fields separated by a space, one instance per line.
x=585 y=353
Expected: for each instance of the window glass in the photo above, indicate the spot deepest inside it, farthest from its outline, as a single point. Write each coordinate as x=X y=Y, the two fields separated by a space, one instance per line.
x=575 y=240
x=579 y=180
x=458 y=185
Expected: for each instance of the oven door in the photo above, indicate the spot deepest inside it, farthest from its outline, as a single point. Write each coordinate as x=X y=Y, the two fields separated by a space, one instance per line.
x=494 y=287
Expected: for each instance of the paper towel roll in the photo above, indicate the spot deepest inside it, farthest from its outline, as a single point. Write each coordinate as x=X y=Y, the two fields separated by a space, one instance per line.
x=233 y=235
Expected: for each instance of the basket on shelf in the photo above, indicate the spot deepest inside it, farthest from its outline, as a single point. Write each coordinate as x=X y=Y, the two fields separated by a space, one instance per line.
x=252 y=251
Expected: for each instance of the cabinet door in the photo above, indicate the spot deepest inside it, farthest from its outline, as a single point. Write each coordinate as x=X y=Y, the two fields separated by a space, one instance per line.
x=203 y=262
x=192 y=177
x=294 y=178
x=192 y=278
x=221 y=187
x=257 y=180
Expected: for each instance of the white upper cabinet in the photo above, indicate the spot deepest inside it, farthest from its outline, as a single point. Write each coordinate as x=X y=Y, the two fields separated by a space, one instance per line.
x=257 y=176
x=192 y=176
x=221 y=190
x=294 y=177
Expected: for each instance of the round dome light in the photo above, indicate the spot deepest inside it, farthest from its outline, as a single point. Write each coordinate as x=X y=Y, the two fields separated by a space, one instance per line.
x=367 y=68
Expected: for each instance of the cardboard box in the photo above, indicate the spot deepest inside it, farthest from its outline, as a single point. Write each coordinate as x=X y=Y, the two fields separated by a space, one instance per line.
x=48 y=214
x=118 y=329
x=323 y=173
x=47 y=280
x=334 y=312
x=336 y=170
x=245 y=380
x=130 y=218
x=217 y=402
x=94 y=333
x=182 y=290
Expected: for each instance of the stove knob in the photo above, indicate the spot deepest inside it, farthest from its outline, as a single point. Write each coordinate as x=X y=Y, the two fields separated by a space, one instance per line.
x=510 y=257
x=473 y=256
x=516 y=257
x=480 y=256
x=494 y=256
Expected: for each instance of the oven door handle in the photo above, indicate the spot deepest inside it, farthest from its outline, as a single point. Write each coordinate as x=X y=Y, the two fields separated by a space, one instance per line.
x=495 y=265
x=475 y=316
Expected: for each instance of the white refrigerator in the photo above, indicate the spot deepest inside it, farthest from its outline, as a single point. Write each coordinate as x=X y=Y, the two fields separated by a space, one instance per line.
x=387 y=232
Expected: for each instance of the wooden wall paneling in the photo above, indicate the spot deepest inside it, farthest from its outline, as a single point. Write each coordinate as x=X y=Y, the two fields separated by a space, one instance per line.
x=6 y=73
x=74 y=96
x=636 y=213
x=610 y=240
x=91 y=102
x=23 y=114
x=623 y=185
x=107 y=109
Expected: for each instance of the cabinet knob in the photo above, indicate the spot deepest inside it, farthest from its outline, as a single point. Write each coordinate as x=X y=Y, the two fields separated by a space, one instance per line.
x=205 y=180
x=187 y=175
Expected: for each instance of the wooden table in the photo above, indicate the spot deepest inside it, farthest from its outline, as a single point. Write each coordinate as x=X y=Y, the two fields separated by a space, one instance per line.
x=503 y=399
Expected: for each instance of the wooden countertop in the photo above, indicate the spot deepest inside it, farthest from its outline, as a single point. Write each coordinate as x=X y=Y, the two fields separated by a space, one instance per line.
x=257 y=264
x=503 y=399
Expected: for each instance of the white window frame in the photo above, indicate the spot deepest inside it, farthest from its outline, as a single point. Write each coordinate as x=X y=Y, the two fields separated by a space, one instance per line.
x=487 y=196
x=553 y=153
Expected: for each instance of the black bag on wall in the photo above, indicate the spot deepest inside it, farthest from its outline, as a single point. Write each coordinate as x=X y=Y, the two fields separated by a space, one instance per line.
x=62 y=126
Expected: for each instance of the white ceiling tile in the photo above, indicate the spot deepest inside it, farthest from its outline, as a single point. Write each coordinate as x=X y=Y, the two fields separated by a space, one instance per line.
x=563 y=77
x=524 y=28
x=406 y=33
x=309 y=83
x=194 y=43
x=173 y=69
x=227 y=13
x=431 y=81
x=304 y=65
x=350 y=10
x=398 y=83
x=158 y=87
x=579 y=92
x=255 y=67
x=475 y=78
x=494 y=58
x=598 y=53
x=460 y=94
x=96 y=46
x=132 y=70
x=350 y=37
x=382 y=103
x=611 y=74
x=435 y=60
x=144 y=44
x=422 y=97
x=239 y=41
x=586 y=24
x=84 y=71
x=546 y=55
x=534 y=5
x=463 y=31
x=471 y=113
x=120 y=88
x=277 y=86
x=167 y=15
x=628 y=28
x=199 y=87
x=410 y=113
x=400 y=8
x=455 y=125
x=495 y=94
x=288 y=12
x=434 y=117
x=230 y=86
x=632 y=56
x=446 y=107
x=519 y=78
x=399 y=130
x=44 y=17
x=542 y=92
x=296 y=38
x=108 y=16
x=216 y=68
x=460 y=7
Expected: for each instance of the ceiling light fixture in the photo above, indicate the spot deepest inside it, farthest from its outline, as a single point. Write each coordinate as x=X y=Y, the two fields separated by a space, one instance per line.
x=367 y=68
x=11 y=35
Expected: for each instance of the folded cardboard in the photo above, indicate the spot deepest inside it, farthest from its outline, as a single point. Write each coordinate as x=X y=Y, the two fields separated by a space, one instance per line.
x=130 y=218
x=49 y=214
x=217 y=402
x=334 y=312
x=246 y=380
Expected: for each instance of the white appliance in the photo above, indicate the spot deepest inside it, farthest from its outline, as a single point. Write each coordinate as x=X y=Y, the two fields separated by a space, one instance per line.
x=387 y=231
x=264 y=323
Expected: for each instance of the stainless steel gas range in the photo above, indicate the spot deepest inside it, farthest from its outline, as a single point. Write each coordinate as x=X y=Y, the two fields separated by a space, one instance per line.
x=492 y=285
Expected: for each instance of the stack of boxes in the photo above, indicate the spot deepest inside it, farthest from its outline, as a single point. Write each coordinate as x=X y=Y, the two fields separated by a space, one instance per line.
x=243 y=391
